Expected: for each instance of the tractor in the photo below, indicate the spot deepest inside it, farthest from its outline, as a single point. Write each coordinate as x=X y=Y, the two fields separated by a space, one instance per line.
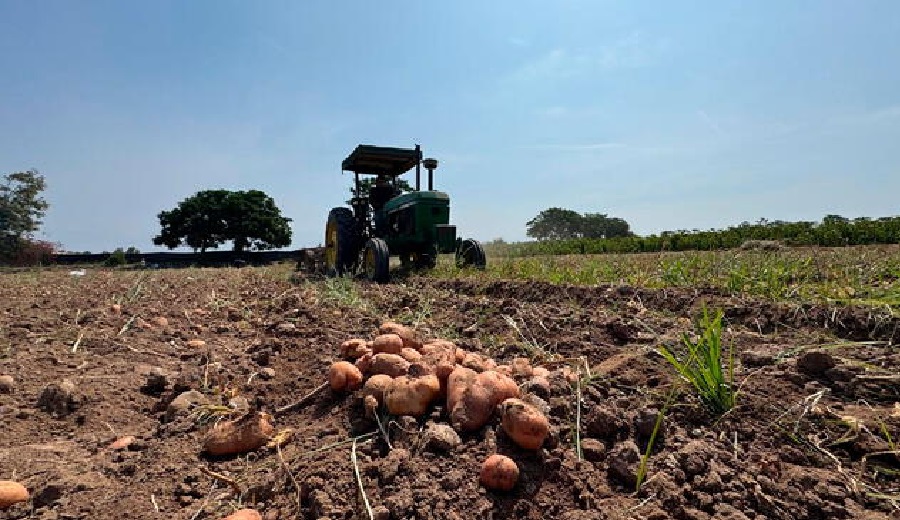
x=382 y=222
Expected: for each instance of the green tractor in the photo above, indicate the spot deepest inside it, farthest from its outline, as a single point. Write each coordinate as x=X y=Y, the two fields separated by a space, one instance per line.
x=383 y=222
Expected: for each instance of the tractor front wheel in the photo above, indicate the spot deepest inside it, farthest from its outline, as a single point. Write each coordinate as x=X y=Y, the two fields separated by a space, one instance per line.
x=376 y=260
x=341 y=242
x=470 y=254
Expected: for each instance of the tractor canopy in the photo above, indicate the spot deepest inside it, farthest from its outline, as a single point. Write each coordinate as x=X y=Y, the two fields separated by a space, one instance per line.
x=381 y=160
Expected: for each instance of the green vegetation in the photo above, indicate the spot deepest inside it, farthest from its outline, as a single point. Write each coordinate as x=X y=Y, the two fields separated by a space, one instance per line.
x=700 y=364
x=210 y=218
x=860 y=275
x=22 y=209
x=365 y=185
x=833 y=230
x=561 y=224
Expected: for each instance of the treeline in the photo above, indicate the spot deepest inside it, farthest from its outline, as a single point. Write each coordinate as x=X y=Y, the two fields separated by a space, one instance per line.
x=833 y=230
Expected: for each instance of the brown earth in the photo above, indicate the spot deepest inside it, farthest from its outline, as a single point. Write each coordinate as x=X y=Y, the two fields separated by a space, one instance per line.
x=812 y=435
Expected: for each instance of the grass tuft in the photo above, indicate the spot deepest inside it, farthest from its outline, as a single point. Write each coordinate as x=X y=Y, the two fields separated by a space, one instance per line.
x=700 y=364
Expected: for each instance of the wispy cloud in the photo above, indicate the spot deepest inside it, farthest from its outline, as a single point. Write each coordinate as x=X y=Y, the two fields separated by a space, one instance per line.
x=712 y=123
x=882 y=114
x=581 y=147
x=515 y=41
x=632 y=51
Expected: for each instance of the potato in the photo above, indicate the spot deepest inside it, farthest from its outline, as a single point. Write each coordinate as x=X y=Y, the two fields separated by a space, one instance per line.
x=443 y=361
x=521 y=367
x=377 y=385
x=499 y=472
x=474 y=361
x=410 y=395
x=524 y=424
x=504 y=369
x=503 y=387
x=344 y=376
x=390 y=364
x=364 y=363
x=474 y=408
x=540 y=372
x=460 y=355
x=457 y=382
x=354 y=348
x=406 y=334
x=388 y=344
x=244 y=514
x=440 y=343
x=479 y=399
x=247 y=433
x=12 y=493
x=410 y=354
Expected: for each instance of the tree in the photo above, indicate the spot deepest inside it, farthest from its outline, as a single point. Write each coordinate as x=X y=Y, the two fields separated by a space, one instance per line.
x=21 y=205
x=250 y=219
x=554 y=224
x=599 y=225
x=366 y=183
x=21 y=214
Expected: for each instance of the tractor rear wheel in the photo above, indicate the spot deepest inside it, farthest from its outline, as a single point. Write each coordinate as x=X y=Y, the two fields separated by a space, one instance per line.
x=341 y=242
x=376 y=260
x=470 y=254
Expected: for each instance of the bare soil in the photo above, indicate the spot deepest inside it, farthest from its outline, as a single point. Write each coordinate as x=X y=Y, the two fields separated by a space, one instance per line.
x=813 y=435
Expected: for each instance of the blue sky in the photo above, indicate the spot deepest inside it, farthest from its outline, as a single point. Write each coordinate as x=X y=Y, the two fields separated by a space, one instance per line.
x=671 y=115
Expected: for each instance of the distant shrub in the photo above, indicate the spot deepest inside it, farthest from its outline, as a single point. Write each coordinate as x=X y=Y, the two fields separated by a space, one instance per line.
x=116 y=258
x=23 y=252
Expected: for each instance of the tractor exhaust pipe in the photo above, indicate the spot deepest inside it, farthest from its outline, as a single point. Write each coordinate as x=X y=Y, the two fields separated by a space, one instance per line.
x=418 y=163
x=430 y=165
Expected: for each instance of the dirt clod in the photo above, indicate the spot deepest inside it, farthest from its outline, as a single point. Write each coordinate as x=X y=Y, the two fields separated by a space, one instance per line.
x=593 y=450
x=157 y=381
x=815 y=362
x=59 y=399
x=645 y=423
x=441 y=438
x=623 y=463
x=602 y=422
x=184 y=403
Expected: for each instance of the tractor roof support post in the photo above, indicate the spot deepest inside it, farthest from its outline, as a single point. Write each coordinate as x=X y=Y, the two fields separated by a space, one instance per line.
x=418 y=165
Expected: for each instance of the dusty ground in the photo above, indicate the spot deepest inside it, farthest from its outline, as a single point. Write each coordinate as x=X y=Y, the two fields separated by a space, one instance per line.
x=807 y=441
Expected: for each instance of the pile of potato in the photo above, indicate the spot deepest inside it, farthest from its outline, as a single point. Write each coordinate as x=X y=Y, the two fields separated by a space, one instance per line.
x=405 y=376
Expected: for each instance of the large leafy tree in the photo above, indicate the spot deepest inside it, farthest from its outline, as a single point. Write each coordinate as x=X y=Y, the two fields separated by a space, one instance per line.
x=250 y=219
x=554 y=224
x=599 y=225
x=560 y=224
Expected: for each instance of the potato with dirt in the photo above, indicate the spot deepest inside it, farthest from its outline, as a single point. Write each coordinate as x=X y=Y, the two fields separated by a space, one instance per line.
x=389 y=364
x=524 y=424
x=12 y=493
x=412 y=394
x=387 y=344
x=408 y=335
x=499 y=473
x=475 y=406
x=250 y=432
x=244 y=514
x=343 y=376
x=354 y=348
